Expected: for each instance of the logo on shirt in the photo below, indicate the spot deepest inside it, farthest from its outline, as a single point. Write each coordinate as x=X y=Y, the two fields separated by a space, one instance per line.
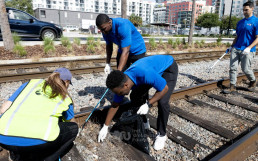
x=249 y=24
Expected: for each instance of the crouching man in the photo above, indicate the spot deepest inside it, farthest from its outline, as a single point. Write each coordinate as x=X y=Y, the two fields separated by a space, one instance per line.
x=159 y=72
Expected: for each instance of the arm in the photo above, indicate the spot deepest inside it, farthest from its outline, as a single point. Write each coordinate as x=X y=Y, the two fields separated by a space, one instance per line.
x=123 y=58
x=234 y=42
x=158 y=95
x=109 y=51
x=5 y=106
x=255 y=42
x=111 y=113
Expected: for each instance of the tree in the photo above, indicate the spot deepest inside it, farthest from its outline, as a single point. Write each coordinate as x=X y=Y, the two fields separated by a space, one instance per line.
x=124 y=8
x=136 y=20
x=192 y=25
x=24 y=5
x=208 y=20
x=5 y=28
x=225 y=21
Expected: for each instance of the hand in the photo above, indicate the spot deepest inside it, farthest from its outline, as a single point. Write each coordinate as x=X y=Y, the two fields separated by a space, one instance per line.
x=103 y=133
x=143 y=110
x=107 y=69
x=246 y=51
x=229 y=49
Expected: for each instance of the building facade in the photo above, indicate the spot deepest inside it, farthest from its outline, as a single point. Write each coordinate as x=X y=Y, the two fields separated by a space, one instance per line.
x=160 y=13
x=140 y=8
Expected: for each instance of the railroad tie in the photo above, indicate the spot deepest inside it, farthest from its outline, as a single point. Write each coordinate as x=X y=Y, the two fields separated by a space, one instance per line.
x=203 y=123
x=230 y=101
x=177 y=136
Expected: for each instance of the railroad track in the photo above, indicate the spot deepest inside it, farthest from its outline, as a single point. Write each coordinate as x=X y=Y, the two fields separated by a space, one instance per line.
x=245 y=138
x=83 y=66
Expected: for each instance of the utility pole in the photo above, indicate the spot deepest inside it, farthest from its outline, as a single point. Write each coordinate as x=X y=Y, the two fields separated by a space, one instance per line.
x=124 y=8
x=229 y=22
x=5 y=28
x=192 y=24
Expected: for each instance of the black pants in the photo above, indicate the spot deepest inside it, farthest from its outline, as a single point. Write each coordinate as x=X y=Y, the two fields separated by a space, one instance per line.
x=130 y=60
x=139 y=95
x=49 y=151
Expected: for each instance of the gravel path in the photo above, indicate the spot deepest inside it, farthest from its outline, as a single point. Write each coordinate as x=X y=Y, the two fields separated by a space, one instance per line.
x=87 y=89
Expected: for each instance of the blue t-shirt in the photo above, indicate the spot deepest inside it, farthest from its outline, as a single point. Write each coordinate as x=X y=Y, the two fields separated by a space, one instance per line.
x=148 y=70
x=246 y=30
x=19 y=141
x=123 y=34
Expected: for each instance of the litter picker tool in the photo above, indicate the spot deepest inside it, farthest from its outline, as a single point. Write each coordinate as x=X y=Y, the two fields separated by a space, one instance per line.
x=93 y=110
x=210 y=68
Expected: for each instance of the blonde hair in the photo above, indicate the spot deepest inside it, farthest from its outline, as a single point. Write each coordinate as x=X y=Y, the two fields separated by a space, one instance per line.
x=58 y=86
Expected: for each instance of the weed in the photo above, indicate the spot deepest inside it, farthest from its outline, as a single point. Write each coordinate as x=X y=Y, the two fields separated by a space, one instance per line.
x=16 y=38
x=170 y=41
x=152 y=43
x=77 y=41
x=19 y=50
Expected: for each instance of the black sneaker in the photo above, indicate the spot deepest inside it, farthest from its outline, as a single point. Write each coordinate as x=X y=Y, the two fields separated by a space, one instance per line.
x=252 y=85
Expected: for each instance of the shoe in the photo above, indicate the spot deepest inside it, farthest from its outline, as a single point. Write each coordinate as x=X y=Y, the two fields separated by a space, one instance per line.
x=252 y=85
x=147 y=124
x=232 y=88
x=160 y=142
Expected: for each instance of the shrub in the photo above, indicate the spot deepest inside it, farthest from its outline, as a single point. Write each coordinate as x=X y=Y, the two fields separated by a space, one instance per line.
x=19 y=50
x=178 y=41
x=65 y=41
x=77 y=41
x=183 y=41
x=174 y=45
x=48 y=45
x=91 y=44
x=91 y=48
x=170 y=41
x=228 y=44
x=160 y=41
x=152 y=43
x=16 y=38
x=219 y=40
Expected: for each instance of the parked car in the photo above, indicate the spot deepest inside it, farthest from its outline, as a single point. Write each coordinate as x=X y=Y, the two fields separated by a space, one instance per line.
x=71 y=28
x=25 y=25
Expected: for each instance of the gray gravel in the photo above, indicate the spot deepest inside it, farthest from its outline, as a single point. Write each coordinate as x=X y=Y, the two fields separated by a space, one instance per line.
x=87 y=89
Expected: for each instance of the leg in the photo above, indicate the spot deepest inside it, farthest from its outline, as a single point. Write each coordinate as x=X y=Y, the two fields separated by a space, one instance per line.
x=246 y=63
x=163 y=104
x=234 y=62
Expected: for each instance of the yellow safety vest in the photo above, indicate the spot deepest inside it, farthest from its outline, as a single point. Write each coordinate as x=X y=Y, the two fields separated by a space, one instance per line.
x=33 y=114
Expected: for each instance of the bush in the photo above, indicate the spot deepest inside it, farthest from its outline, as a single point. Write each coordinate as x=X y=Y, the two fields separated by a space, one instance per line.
x=183 y=41
x=160 y=41
x=219 y=40
x=77 y=41
x=91 y=44
x=152 y=43
x=91 y=48
x=178 y=41
x=65 y=41
x=170 y=41
x=48 y=45
x=19 y=50
x=16 y=38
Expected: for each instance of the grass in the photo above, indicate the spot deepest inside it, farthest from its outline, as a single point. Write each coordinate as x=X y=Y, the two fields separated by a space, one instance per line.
x=48 y=46
x=16 y=38
x=152 y=43
x=19 y=50
x=77 y=41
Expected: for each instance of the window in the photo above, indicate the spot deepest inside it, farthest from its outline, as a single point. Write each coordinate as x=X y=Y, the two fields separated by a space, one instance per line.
x=19 y=16
x=43 y=13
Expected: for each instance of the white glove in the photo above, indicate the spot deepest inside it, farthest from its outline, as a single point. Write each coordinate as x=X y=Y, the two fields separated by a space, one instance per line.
x=103 y=133
x=246 y=51
x=229 y=49
x=107 y=69
x=143 y=110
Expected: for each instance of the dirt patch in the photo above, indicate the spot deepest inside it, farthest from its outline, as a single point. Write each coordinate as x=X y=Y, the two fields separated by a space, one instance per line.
x=37 y=51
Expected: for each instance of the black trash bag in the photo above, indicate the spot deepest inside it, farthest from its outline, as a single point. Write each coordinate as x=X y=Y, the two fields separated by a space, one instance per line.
x=132 y=131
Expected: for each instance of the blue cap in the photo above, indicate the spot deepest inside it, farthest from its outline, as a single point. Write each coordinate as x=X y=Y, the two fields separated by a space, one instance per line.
x=65 y=74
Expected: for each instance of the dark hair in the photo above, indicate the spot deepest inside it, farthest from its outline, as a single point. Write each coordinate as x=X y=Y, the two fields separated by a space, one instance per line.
x=249 y=3
x=115 y=79
x=101 y=19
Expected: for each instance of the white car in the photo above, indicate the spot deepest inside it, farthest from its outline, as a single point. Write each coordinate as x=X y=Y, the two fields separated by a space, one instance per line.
x=71 y=28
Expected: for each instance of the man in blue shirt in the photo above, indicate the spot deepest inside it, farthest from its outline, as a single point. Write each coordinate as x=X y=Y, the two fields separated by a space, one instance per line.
x=243 y=47
x=123 y=33
x=159 y=72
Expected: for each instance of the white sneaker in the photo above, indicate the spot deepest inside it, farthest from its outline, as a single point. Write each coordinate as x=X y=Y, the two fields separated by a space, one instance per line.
x=147 y=124
x=160 y=142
